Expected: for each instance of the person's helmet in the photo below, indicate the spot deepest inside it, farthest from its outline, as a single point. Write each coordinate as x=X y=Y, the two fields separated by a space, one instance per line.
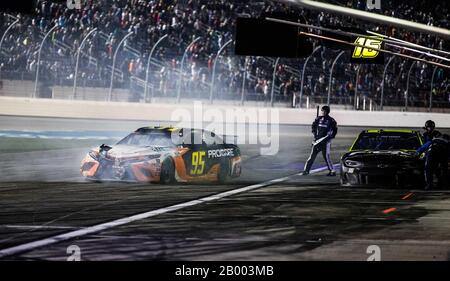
x=429 y=124
x=326 y=109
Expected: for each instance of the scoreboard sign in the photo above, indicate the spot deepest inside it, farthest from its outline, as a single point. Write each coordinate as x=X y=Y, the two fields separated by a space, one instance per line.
x=368 y=48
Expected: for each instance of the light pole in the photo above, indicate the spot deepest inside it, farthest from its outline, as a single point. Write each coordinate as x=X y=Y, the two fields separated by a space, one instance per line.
x=4 y=36
x=303 y=74
x=382 y=81
x=77 y=61
x=114 y=64
x=39 y=59
x=331 y=76
x=211 y=90
x=181 y=68
x=148 y=66
x=273 y=81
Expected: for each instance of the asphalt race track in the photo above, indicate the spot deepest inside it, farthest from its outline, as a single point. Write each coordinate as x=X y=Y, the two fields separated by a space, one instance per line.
x=271 y=213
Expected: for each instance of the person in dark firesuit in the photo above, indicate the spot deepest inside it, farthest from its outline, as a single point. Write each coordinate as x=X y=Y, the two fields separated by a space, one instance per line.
x=437 y=153
x=324 y=129
x=430 y=131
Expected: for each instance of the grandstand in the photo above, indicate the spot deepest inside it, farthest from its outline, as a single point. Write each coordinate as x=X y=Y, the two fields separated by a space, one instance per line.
x=239 y=79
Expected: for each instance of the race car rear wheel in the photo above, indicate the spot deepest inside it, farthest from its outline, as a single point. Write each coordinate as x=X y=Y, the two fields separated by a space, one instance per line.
x=224 y=172
x=167 y=171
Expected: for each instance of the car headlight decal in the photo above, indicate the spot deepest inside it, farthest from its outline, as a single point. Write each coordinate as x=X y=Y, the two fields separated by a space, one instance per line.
x=353 y=164
x=93 y=154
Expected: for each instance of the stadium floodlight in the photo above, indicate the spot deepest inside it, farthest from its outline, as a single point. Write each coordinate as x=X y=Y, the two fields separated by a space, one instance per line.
x=213 y=76
x=303 y=74
x=148 y=67
x=114 y=64
x=181 y=67
x=331 y=75
x=383 y=81
x=4 y=36
x=74 y=93
x=377 y=18
x=39 y=58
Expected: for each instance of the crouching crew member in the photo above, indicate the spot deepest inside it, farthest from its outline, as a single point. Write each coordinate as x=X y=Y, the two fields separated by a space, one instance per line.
x=324 y=129
x=437 y=153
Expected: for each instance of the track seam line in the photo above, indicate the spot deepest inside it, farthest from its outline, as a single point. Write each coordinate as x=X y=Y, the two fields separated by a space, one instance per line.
x=119 y=222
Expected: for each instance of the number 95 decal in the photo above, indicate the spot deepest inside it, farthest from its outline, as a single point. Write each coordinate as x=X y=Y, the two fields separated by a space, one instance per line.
x=198 y=163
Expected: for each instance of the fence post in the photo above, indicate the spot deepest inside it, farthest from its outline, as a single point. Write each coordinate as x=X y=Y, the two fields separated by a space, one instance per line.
x=39 y=59
x=243 y=83
x=407 y=85
x=430 y=106
x=148 y=67
x=356 y=88
x=181 y=68
x=77 y=62
x=213 y=76
x=331 y=76
x=382 y=82
x=4 y=36
x=273 y=81
x=114 y=64
x=303 y=75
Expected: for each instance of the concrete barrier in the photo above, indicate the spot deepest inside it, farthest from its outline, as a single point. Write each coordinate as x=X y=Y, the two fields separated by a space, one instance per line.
x=165 y=112
x=16 y=88
x=90 y=94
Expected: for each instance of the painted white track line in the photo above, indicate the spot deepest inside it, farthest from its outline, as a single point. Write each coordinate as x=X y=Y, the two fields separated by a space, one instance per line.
x=104 y=226
x=37 y=226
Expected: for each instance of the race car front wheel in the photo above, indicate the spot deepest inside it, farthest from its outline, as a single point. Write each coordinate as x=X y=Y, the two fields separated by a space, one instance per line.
x=167 y=171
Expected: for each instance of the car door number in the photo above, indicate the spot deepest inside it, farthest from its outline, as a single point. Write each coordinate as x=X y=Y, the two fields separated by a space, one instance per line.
x=198 y=163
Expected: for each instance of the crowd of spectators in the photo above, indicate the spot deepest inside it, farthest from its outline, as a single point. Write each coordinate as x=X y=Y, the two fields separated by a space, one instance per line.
x=214 y=21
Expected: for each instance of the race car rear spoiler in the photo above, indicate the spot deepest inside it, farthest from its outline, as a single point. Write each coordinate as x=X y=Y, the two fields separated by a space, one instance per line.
x=230 y=139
